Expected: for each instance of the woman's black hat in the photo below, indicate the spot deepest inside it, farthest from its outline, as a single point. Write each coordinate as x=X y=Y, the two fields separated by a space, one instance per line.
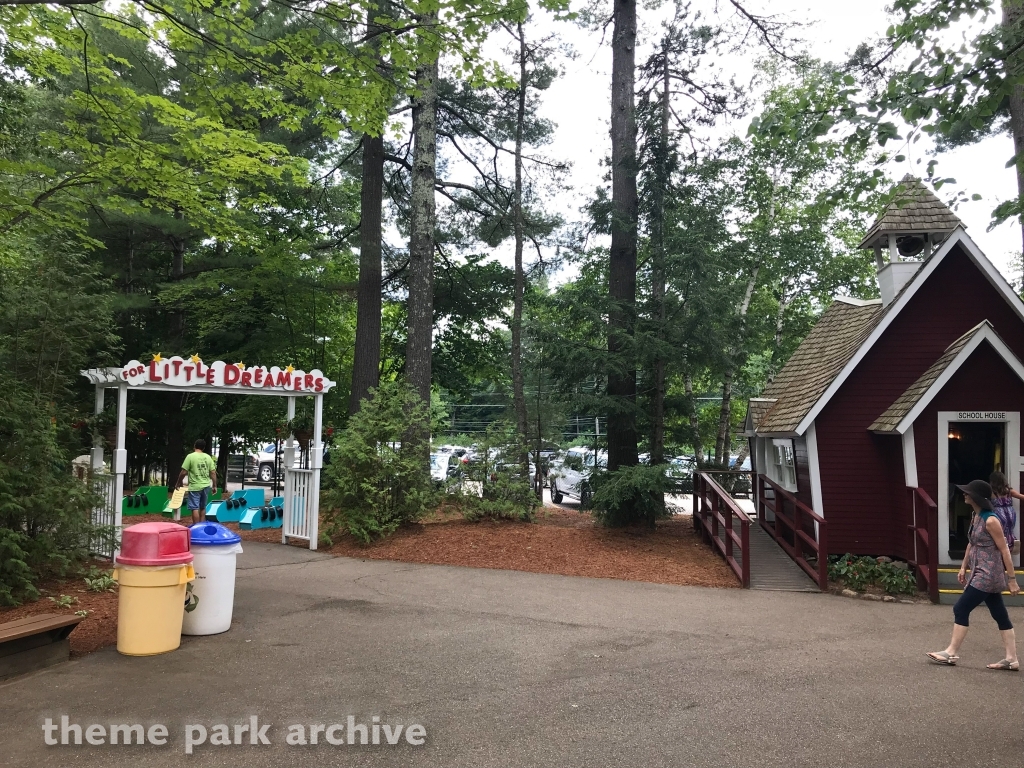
x=980 y=491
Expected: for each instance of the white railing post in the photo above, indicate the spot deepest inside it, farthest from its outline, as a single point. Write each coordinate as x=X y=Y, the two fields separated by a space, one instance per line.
x=287 y=509
x=287 y=464
x=316 y=462
x=120 y=462
x=96 y=461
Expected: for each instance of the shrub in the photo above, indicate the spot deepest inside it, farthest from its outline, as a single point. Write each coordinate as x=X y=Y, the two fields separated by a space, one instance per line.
x=372 y=484
x=54 y=320
x=896 y=581
x=507 y=493
x=44 y=511
x=858 y=573
x=99 y=581
x=630 y=496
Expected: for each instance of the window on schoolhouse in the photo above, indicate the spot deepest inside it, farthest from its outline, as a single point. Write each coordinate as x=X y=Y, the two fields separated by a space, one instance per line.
x=784 y=464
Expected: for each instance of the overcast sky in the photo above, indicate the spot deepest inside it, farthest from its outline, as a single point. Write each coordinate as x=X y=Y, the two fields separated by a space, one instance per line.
x=579 y=103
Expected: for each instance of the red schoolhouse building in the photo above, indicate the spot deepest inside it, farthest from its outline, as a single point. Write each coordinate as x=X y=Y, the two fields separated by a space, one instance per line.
x=888 y=403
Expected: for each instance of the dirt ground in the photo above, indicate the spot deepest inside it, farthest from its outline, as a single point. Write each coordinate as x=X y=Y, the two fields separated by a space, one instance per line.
x=560 y=541
x=96 y=630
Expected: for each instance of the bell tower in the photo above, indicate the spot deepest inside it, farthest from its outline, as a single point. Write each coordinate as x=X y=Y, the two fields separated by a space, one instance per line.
x=912 y=225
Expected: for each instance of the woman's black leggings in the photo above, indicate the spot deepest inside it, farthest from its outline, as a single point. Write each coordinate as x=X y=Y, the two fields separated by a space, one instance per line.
x=972 y=598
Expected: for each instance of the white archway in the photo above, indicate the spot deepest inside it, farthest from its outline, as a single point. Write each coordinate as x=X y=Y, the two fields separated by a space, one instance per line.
x=176 y=374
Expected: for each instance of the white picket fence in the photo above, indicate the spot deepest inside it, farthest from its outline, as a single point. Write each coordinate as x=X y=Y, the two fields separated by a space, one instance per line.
x=299 y=499
x=104 y=513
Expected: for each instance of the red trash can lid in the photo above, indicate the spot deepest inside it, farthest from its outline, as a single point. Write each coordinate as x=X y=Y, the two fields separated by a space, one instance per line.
x=154 y=544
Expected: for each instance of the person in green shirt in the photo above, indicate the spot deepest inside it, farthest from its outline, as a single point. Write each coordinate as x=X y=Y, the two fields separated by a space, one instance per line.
x=201 y=472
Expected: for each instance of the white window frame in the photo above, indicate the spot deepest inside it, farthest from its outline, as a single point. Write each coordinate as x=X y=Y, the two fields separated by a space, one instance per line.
x=782 y=464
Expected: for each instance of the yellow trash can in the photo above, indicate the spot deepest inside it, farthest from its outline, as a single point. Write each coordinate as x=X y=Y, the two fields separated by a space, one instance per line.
x=153 y=568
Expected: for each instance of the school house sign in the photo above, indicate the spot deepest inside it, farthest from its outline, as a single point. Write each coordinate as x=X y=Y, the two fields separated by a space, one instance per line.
x=218 y=376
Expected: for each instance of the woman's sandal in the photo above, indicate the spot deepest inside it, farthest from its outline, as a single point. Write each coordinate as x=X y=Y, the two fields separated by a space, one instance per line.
x=946 y=659
x=1009 y=666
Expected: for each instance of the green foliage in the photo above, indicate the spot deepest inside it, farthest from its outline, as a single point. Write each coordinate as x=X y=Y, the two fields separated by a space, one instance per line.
x=507 y=492
x=17 y=580
x=372 y=485
x=99 y=581
x=53 y=320
x=858 y=573
x=944 y=69
x=897 y=581
x=630 y=496
x=64 y=601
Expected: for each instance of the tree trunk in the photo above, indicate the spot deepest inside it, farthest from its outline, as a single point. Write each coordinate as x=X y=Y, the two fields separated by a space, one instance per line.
x=223 y=457
x=175 y=450
x=422 y=215
x=174 y=419
x=518 y=394
x=622 y=434
x=366 y=361
x=723 y=444
x=1013 y=15
x=366 y=364
x=698 y=447
x=658 y=274
x=177 y=335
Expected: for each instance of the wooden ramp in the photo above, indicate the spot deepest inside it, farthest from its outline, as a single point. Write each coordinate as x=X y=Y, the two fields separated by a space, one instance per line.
x=771 y=568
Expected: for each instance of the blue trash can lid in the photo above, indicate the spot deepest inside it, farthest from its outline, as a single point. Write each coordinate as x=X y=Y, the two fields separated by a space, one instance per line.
x=212 y=534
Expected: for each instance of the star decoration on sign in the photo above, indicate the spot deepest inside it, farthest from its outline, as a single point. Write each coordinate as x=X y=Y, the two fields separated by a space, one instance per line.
x=196 y=359
x=241 y=366
x=289 y=369
x=158 y=358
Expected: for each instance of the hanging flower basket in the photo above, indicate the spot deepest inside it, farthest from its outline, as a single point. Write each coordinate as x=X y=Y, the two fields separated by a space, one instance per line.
x=301 y=427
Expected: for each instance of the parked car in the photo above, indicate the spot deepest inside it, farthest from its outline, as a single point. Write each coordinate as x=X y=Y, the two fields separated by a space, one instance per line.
x=572 y=476
x=680 y=473
x=241 y=467
x=266 y=461
x=742 y=486
x=442 y=465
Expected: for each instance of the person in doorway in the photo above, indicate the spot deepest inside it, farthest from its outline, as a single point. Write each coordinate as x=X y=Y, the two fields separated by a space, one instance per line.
x=991 y=569
x=1002 y=504
x=201 y=472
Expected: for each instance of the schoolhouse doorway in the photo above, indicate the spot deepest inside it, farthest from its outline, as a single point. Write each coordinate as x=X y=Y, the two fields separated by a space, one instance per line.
x=975 y=450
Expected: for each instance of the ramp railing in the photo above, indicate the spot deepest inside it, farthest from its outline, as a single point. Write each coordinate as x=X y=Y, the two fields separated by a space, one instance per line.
x=799 y=530
x=924 y=544
x=723 y=525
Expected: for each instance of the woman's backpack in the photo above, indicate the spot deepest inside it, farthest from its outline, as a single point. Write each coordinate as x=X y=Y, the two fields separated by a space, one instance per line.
x=1007 y=518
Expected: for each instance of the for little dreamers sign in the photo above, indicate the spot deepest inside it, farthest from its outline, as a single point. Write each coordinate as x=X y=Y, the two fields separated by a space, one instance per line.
x=194 y=373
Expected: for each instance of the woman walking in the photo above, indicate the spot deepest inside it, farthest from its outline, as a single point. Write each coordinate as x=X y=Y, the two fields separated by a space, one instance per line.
x=991 y=570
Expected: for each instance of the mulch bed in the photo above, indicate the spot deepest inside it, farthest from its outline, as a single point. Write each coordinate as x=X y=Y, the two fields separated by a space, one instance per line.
x=560 y=541
x=95 y=631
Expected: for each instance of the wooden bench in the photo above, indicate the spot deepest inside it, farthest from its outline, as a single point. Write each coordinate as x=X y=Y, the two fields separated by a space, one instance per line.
x=34 y=642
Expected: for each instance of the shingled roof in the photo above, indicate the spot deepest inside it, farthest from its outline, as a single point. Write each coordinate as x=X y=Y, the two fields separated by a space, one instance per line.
x=833 y=340
x=757 y=407
x=915 y=208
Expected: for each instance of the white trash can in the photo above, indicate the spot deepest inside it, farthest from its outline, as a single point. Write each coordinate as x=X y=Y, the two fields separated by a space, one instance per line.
x=210 y=599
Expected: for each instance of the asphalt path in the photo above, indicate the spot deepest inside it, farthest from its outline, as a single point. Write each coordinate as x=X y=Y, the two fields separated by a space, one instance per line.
x=516 y=669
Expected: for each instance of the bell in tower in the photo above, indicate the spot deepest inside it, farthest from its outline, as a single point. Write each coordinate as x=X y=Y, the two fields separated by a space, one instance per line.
x=912 y=225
